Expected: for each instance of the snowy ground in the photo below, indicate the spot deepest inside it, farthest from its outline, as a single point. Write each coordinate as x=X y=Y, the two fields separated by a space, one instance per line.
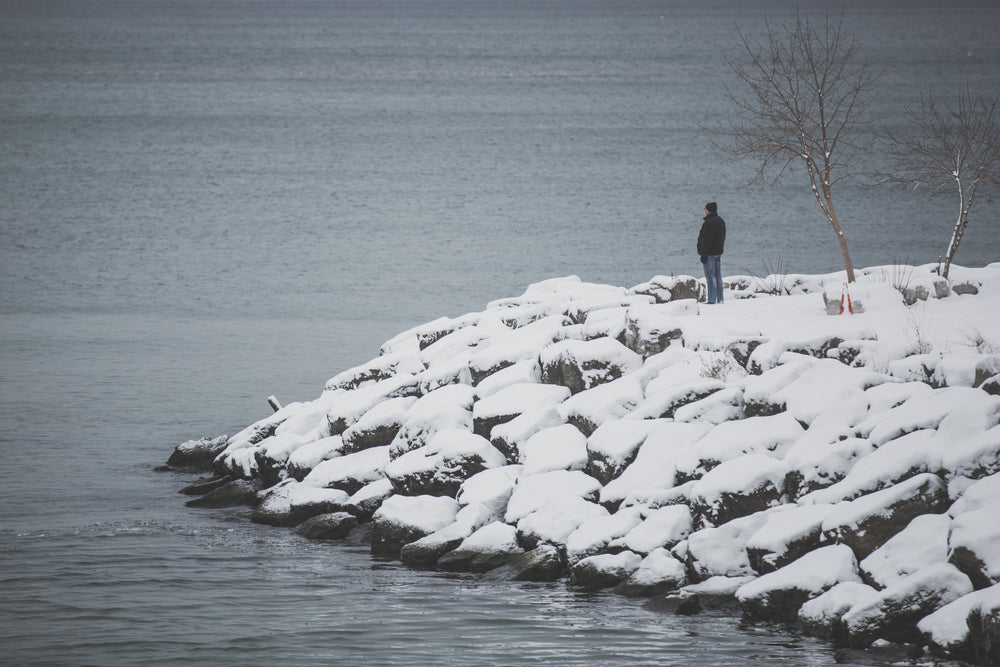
x=838 y=471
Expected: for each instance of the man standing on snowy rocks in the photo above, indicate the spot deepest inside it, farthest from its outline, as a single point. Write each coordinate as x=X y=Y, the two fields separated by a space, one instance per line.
x=711 y=242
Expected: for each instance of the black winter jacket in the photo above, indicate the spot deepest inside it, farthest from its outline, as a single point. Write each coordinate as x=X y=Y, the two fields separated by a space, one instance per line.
x=712 y=237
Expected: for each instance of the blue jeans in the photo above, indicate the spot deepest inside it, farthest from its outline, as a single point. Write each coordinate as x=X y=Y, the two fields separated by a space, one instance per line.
x=713 y=276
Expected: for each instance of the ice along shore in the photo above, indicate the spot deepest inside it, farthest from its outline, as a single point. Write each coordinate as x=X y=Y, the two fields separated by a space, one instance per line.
x=840 y=472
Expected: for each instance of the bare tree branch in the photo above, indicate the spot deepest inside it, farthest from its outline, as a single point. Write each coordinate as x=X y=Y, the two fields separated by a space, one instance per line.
x=954 y=148
x=803 y=100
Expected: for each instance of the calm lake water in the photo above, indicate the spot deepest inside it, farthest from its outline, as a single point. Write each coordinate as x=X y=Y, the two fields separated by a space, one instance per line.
x=206 y=202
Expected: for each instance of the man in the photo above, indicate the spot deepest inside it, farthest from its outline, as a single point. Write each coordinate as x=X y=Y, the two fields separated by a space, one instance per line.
x=711 y=242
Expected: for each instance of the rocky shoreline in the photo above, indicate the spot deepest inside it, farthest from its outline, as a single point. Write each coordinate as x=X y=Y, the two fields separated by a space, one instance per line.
x=836 y=472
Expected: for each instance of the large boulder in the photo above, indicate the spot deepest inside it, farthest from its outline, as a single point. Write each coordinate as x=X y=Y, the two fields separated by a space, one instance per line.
x=560 y=447
x=892 y=615
x=379 y=426
x=651 y=329
x=789 y=533
x=509 y=437
x=966 y=628
x=425 y=552
x=448 y=407
x=543 y=563
x=739 y=487
x=197 y=454
x=922 y=543
x=511 y=401
x=662 y=527
x=231 y=494
x=594 y=535
x=301 y=462
x=821 y=616
x=366 y=500
x=384 y=367
x=974 y=544
x=585 y=364
x=868 y=522
x=440 y=467
x=604 y=570
x=290 y=503
x=589 y=409
x=779 y=594
x=487 y=548
x=721 y=551
x=331 y=526
x=614 y=445
x=352 y=472
x=658 y=573
x=404 y=519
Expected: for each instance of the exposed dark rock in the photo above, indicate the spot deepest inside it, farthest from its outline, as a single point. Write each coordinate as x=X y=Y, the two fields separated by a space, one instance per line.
x=331 y=526
x=294 y=514
x=991 y=386
x=424 y=554
x=582 y=365
x=197 y=454
x=544 y=563
x=604 y=571
x=984 y=636
x=965 y=288
x=233 y=494
x=869 y=521
x=742 y=349
x=476 y=560
x=203 y=486
x=894 y=613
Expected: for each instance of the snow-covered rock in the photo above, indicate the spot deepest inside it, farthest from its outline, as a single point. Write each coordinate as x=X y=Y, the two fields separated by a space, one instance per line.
x=448 y=407
x=440 y=467
x=585 y=364
x=560 y=447
x=604 y=571
x=513 y=400
x=404 y=519
x=893 y=614
x=780 y=594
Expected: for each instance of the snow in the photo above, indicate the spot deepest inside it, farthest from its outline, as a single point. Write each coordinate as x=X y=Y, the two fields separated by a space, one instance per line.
x=596 y=533
x=828 y=608
x=558 y=518
x=536 y=491
x=934 y=586
x=603 y=403
x=741 y=475
x=753 y=435
x=653 y=467
x=424 y=513
x=978 y=532
x=618 y=441
x=517 y=398
x=526 y=370
x=496 y=535
x=661 y=527
x=491 y=487
x=368 y=465
x=446 y=448
x=657 y=567
x=949 y=626
x=557 y=448
x=308 y=456
x=923 y=542
x=816 y=572
x=443 y=408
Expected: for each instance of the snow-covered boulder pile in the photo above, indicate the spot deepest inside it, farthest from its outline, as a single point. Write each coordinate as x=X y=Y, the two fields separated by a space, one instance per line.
x=839 y=472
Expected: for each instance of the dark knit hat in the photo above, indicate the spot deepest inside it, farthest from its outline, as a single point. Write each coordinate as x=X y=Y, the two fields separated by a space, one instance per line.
x=712 y=207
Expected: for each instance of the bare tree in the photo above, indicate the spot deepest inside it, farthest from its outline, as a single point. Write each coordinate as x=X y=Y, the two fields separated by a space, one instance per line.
x=805 y=101
x=955 y=149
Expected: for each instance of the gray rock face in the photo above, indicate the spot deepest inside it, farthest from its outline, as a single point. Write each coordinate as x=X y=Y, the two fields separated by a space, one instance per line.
x=604 y=571
x=197 y=454
x=894 y=613
x=331 y=526
x=868 y=522
x=544 y=563
x=234 y=494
